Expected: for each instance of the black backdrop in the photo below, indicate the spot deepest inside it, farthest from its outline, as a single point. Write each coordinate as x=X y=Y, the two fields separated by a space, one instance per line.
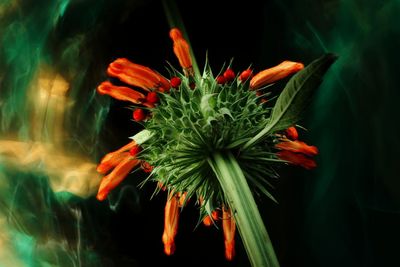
x=344 y=213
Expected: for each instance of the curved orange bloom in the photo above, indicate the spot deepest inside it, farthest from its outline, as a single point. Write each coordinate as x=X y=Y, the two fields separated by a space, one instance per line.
x=116 y=176
x=112 y=159
x=122 y=162
x=120 y=92
x=298 y=147
x=137 y=75
x=182 y=51
x=297 y=159
x=171 y=218
x=274 y=74
x=229 y=227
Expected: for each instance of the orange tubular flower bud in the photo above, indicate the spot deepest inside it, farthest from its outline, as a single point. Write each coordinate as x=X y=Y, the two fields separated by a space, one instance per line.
x=182 y=51
x=139 y=114
x=275 y=73
x=208 y=220
x=175 y=82
x=245 y=75
x=229 y=75
x=137 y=75
x=297 y=159
x=229 y=227
x=220 y=79
x=117 y=175
x=112 y=159
x=292 y=133
x=170 y=224
x=298 y=147
x=152 y=98
x=120 y=92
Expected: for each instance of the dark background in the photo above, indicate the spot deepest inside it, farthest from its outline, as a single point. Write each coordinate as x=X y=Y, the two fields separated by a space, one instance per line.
x=344 y=213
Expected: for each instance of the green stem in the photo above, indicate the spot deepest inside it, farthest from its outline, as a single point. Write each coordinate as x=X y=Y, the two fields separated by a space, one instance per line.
x=247 y=216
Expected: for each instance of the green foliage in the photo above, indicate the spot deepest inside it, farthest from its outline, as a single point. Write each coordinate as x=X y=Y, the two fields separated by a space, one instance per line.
x=295 y=97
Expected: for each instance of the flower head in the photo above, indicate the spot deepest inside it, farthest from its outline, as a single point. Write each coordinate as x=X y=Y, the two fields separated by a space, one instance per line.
x=188 y=126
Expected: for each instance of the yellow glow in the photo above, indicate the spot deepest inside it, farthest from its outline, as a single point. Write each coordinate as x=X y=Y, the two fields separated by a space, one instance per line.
x=66 y=172
x=46 y=153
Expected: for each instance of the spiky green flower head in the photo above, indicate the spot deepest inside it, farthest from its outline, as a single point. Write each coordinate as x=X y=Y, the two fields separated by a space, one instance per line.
x=199 y=118
x=213 y=139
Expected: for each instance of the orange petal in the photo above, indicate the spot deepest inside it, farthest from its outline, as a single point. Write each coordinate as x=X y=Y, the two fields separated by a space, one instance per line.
x=229 y=227
x=297 y=159
x=275 y=73
x=113 y=156
x=120 y=92
x=112 y=160
x=182 y=51
x=137 y=75
x=117 y=175
x=298 y=147
x=170 y=224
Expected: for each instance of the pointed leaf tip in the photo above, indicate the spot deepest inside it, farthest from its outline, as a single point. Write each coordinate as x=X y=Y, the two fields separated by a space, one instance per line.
x=295 y=97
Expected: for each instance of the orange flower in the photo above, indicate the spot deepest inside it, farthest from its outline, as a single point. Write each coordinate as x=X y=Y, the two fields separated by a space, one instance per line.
x=298 y=147
x=297 y=159
x=229 y=227
x=122 y=162
x=275 y=73
x=120 y=92
x=182 y=51
x=170 y=223
x=112 y=159
x=137 y=75
x=112 y=180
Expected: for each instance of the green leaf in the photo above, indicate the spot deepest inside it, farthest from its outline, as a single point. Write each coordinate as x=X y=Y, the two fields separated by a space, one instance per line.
x=142 y=136
x=295 y=97
x=207 y=105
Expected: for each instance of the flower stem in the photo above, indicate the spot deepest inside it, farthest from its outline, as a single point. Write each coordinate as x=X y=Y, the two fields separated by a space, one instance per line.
x=250 y=224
